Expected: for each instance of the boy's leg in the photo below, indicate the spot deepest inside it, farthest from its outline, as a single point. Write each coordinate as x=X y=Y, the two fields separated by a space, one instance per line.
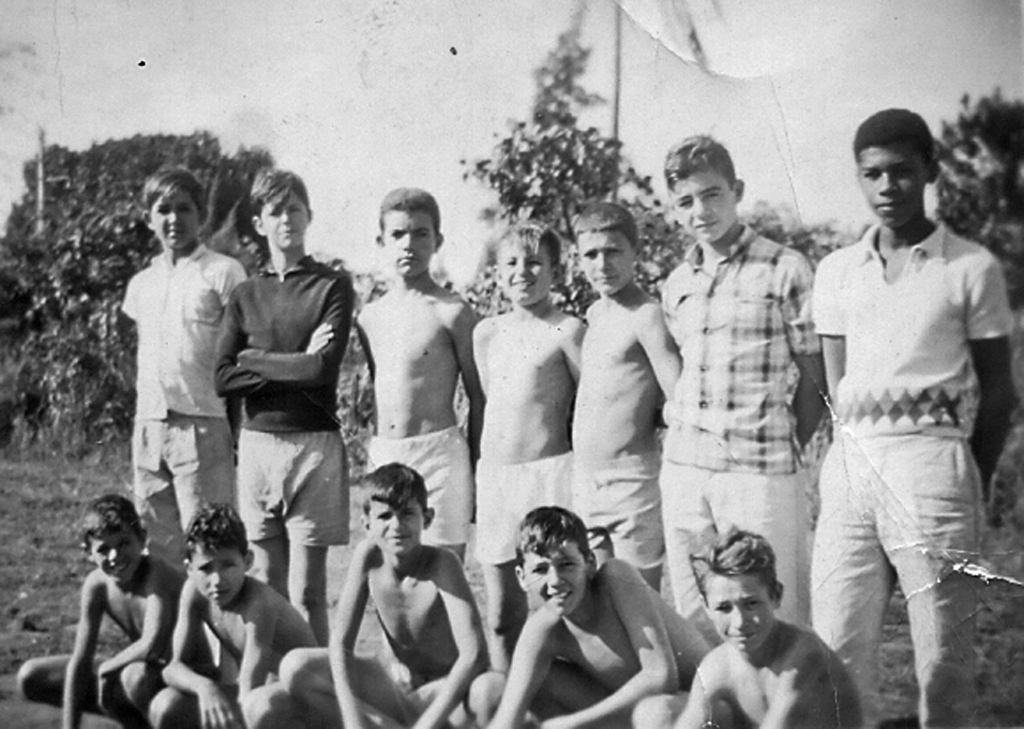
x=931 y=529
x=306 y=675
x=851 y=578
x=506 y=612
x=565 y=690
x=270 y=562
x=270 y=707
x=201 y=458
x=42 y=680
x=307 y=586
x=153 y=487
x=125 y=695
x=689 y=524
x=659 y=712
x=174 y=709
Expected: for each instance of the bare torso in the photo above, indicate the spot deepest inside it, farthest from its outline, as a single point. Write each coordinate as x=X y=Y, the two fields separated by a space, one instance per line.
x=618 y=397
x=127 y=607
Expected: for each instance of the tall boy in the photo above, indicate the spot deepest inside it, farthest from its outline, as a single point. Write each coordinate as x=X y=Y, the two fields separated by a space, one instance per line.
x=766 y=672
x=601 y=641
x=905 y=315
x=426 y=611
x=254 y=624
x=738 y=306
x=529 y=365
x=182 y=451
x=281 y=347
x=420 y=342
x=139 y=593
x=630 y=364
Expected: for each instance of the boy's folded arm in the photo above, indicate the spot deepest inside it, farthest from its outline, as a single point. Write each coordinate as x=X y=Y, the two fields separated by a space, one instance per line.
x=258 y=658
x=660 y=348
x=697 y=711
x=78 y=674
x=531 y=662
x=189 y=647
x=467 y=631
x=229 y=378
x=355 y=593
x=157 y=626
x=809 y=398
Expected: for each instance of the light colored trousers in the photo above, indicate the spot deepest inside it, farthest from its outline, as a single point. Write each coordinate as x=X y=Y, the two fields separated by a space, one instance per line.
x=900 y=507
x=697 y=504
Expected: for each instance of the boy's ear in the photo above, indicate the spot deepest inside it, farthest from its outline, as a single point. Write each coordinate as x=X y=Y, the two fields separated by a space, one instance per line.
x=248 y=559
x=737 y=188
x=777 y=597
x=364 y=519
x=428 y=517
x=933 y=170
x=257 y=224
x=440 y=240
x=521 y=576
x=148 y=219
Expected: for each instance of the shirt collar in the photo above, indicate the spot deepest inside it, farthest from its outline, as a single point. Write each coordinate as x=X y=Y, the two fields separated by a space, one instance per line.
x=695 y=253
x=304 y=263
x=931 y=247
x=195 y=255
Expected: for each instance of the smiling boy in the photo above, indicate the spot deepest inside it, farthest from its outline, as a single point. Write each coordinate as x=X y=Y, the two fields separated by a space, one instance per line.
x=139 y=593
x=767 y=672
x=600 y=640
x=281 y=347
x=914 y=323
x=738 y=306
x=419 y=338
x=529 y=363
x=182 y=453
x=629 y=366
x=254 y=624
x=425 y=609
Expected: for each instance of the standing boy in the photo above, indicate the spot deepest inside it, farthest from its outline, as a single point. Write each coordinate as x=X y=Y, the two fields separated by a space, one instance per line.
x=529 y=366
x=420 y=342
x=629 y=366
x=601 y=641
x=426 y=611
x=766 y=672
x=181 y=449
x=139 y=593
x=908 y=315
x=738 y=306
x=254 y=624
x=281 y=347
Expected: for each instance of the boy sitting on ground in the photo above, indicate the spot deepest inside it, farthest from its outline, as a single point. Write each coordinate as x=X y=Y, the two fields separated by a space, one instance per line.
x=427 y=615
x=139 y=593
x=529 y=366
x=767 y=672
x=630 y=365
x=601 y=641
x=419 y=341
x=254 y=623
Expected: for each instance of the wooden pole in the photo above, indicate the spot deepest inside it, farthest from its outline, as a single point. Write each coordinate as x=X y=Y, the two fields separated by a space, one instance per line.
x=617 y=88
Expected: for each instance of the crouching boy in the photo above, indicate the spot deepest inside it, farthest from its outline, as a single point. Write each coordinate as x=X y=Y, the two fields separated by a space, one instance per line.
x=426 y=612
x=767 y=672
x=254 y=623
x=139 y=593
x=599 y=641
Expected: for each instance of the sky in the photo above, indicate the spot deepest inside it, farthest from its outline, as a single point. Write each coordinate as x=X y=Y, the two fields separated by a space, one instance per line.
x=366 y=95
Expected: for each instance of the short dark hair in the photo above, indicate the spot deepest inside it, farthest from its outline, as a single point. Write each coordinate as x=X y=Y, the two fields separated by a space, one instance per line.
x=735 y=553
x=216 y=526
x=695 y=154
x=168 y=179
x=411 y=200
x=271 y=185
x=548 y=528
x=600 y=217
x=108 y=514
x=534 y=236
x=395 y=484
x=891 y=126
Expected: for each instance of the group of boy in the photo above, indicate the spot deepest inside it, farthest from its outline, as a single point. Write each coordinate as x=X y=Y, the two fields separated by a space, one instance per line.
x=571 y=420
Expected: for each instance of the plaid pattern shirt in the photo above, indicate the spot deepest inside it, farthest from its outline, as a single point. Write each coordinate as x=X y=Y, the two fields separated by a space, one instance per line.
x=738 y=327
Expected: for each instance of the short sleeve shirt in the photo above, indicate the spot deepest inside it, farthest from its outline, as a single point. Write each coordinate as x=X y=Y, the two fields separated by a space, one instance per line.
x=908 y=366
x=178 y=309
x=738 y=326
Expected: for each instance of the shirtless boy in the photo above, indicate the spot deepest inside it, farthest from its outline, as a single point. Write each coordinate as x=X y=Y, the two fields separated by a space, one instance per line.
x=139 y=592
x=630 y=365
x=419 y=340
x=601 y=641
x=767 y=672
x=254 y=623
x=529 y=366
x=427 y=614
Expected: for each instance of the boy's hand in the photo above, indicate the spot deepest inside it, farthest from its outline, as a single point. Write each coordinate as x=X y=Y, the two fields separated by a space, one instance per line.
x=217 y=711
x=320 y=338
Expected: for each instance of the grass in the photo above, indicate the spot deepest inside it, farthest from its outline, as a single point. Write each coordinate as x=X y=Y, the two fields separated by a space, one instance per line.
x=42 y=566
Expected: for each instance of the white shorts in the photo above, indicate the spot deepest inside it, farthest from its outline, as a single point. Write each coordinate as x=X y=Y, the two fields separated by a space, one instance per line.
x=623 y=497
x=442 y=458
x=507 y=492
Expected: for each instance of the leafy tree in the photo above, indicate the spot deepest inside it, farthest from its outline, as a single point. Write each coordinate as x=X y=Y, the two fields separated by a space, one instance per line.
x=63 y=286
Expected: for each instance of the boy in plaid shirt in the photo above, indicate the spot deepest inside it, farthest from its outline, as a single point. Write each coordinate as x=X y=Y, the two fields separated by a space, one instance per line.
x=738 y=306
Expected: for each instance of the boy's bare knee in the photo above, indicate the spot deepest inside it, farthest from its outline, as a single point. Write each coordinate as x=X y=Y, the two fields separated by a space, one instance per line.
x=29 y=680
x=140 y=682
x=166 y=709
x=295 y=669
x=484 y=696
x=267 y=707
x=657 y=712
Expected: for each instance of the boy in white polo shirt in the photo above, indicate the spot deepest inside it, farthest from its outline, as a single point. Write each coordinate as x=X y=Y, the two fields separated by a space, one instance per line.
x=908 y=316
x=181 y=449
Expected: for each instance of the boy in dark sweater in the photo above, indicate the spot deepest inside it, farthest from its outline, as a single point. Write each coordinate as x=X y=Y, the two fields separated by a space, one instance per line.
x=280 y=347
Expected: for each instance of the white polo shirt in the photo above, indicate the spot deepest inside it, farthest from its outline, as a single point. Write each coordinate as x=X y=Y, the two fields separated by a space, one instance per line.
x=908 y=366
x=178 y=309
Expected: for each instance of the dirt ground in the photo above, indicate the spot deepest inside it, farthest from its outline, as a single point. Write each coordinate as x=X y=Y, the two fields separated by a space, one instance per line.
x=42 y=566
